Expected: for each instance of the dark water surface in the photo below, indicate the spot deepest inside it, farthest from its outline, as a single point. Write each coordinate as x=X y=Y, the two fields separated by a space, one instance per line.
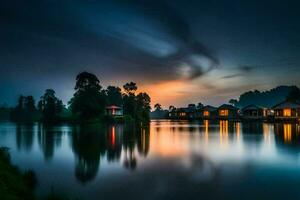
x=170 y=160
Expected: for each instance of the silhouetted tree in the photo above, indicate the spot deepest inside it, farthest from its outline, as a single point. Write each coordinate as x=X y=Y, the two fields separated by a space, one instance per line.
x=171 y=108
x=88 y=100
x=233 y=102
x=25 y=109
x=157 y=106
x=129 y=102
x=143 y=107
x=200 y=105
x=294 y=94
x=50 y=106
x=130 y=88
x=114 y=95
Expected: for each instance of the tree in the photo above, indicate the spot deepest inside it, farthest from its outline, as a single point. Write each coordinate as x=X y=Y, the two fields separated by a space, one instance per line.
x=129 y=101
x=157 y=106
x=143 y=107
x=171 y=108
x=48 y=106
x=114 y=95
x=200 y=105
x=130 y=88
x=233 y=102
x=30 y=104
x=88 y=100
x=294 y=94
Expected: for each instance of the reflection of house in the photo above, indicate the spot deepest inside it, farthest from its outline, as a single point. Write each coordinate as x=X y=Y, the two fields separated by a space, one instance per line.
x=254 y=112
x=227 y=111
x=209 y=112
x=114 y=110
x=287 y=110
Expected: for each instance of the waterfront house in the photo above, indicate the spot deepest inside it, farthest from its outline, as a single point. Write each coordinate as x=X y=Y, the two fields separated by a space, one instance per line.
x=227 y=111
x=114 y=110
x=252 y=111
x=287 y=110
x=209 y=112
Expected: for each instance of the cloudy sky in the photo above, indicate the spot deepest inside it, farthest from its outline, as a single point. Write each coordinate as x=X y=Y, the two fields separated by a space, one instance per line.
x=176 y=50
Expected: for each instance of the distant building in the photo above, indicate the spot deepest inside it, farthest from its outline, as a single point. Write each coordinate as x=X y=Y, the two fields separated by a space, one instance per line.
x=287 y=110
x=209 y=112
x=254 y=112
x=114 y=110
x=227 y=111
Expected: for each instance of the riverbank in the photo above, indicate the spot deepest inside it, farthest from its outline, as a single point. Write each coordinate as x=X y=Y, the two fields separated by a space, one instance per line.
x=14 y=185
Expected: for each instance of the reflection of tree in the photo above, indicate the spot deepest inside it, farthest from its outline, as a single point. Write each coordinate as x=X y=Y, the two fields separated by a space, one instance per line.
x=88 y=144
x=114 y=146
x=24 y=136
x=49 y=137
x=143 y=141
x=252 y=128
x=135 y=137
x=129 y=140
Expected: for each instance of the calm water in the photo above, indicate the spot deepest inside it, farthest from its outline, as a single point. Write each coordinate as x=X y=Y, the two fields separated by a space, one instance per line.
x=170 y=160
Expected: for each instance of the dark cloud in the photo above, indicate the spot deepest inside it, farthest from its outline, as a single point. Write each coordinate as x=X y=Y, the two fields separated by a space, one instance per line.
x=232 y=76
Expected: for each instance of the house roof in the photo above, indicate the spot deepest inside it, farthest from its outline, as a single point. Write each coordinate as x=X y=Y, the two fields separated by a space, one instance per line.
x=287 y=104
x=113 y=107
x=227 y=106
x=209 y=108
x=252 y=107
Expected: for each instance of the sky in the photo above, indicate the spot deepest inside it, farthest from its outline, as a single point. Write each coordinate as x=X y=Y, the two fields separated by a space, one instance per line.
x=178 y=51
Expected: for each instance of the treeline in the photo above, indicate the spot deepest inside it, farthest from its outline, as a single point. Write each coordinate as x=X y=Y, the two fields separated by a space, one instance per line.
x=267 y=98
x=88 y=103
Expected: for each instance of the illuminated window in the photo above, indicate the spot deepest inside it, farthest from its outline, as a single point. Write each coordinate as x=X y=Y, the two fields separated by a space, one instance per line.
x=287 y=112
x=206 y=113
x=182 y=114
x=223 y=112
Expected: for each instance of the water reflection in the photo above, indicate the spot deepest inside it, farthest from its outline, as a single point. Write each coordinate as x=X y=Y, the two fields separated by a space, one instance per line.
x=287 y=133
x=24 y=136
x=196 y=157
x=91 y=144
x=49 y=138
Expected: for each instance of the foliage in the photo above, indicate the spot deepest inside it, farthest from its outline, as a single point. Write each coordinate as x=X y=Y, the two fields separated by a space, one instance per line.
x=267 y=98
x=233 y=102
x=50 y=106
x=136 y=106
x=13 y=184
x=294 y=94
x=114 y=96
x=88 y=100
x=157 y=106
x=25 y=109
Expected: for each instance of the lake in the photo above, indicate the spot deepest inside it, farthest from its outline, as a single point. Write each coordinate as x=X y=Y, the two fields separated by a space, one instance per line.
x=168 y=160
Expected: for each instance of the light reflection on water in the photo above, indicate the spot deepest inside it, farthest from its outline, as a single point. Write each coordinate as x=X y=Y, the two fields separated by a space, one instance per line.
x=168 y=160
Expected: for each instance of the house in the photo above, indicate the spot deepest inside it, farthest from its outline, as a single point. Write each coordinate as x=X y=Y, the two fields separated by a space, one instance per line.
x=114 y=110
x=253 y=112
x=227 y=111
x=209 y=112
x=287 y=110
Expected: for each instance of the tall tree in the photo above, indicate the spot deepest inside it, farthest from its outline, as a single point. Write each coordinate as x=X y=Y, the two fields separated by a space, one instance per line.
x=143 y=107
x=129 y=101
x=114 y=95
x=48 y=105
x=88 y=100
x=30 y=104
